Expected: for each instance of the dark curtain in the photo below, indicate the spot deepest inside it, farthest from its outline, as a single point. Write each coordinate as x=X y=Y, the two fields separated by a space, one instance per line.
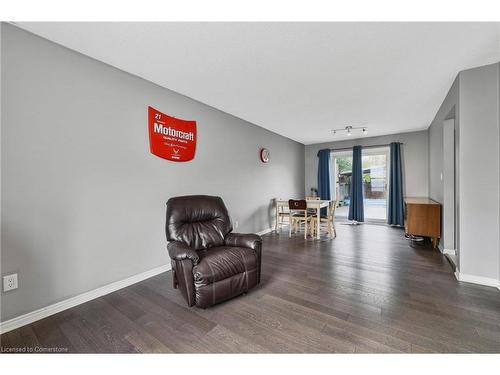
x=395 y=214
x=356 y=211
x=324 y=176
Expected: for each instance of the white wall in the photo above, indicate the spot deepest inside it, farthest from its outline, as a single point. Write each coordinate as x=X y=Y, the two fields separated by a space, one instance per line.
x=415 y=163
x=83 y=200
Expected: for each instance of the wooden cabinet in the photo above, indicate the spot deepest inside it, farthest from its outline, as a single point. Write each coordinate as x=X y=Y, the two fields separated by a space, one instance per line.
x=423 y=218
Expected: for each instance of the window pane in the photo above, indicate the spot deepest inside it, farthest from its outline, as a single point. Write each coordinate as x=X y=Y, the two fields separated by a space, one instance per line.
x=343 y=184
x=375 y=186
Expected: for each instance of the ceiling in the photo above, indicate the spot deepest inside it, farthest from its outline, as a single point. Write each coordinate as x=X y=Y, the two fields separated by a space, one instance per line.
x=300 y=80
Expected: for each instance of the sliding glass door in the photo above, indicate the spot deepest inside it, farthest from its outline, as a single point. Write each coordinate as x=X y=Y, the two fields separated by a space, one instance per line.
x=375 y=183
x=342 y=165
x=375 y=164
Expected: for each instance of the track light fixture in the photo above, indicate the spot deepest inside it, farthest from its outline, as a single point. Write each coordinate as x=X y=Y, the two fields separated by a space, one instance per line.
x=349 y=130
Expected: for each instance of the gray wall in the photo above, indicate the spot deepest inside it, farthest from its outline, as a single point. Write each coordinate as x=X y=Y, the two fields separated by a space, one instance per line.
x=449 y=203
x=474 y=102
x=415 y=153
x=83 y=200
x=479 y=171
x=448 y=110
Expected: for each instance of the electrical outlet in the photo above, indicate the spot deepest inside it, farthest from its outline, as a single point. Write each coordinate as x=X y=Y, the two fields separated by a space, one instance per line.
x=236 y=224
x=10 y=282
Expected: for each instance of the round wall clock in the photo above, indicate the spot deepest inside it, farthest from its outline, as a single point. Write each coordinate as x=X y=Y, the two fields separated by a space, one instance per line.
x=264 y=155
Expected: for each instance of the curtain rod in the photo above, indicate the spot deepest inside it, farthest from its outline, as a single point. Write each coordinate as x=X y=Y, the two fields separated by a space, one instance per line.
x=362 y=147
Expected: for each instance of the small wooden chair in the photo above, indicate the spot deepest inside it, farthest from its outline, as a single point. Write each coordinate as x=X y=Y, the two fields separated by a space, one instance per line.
x=312 y=210
x=329 y=219
x=298 y=214
x=283 y=213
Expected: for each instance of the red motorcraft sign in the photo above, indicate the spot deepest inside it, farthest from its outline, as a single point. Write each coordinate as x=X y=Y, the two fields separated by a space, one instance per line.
x=171 y=138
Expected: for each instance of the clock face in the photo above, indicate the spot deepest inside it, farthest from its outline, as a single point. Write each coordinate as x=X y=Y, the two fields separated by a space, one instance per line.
x=264 y=155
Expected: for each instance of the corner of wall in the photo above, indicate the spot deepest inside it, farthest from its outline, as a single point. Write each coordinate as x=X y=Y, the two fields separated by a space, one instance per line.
x=1 y=125
x=479 y=140
x=498 y=124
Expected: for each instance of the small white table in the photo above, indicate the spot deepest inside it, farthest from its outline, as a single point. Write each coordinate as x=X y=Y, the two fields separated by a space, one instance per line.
x=311 y=203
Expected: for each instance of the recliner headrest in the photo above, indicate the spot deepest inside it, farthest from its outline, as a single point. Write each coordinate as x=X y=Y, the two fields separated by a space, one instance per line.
x=200 y=221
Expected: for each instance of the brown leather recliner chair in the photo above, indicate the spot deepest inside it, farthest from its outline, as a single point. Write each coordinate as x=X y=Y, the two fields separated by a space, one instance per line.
x=210 y=264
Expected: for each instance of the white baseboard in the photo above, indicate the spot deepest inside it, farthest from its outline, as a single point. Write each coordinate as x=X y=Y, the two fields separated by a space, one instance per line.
x=265 y=231
x=449 y=252
x=44 y=312
x=477 y=280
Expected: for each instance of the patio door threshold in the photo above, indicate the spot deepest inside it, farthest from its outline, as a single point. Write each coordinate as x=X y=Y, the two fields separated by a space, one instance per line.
x=345 y=221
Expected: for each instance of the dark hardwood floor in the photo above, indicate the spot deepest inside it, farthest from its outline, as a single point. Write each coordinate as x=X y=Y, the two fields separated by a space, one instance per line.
x=365 y=291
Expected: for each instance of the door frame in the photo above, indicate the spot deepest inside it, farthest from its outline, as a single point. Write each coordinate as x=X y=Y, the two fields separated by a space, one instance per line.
x=368 y=150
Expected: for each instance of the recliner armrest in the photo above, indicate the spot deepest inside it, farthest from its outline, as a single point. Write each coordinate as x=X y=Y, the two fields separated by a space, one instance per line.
x=180 y=251
x=251 y=241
